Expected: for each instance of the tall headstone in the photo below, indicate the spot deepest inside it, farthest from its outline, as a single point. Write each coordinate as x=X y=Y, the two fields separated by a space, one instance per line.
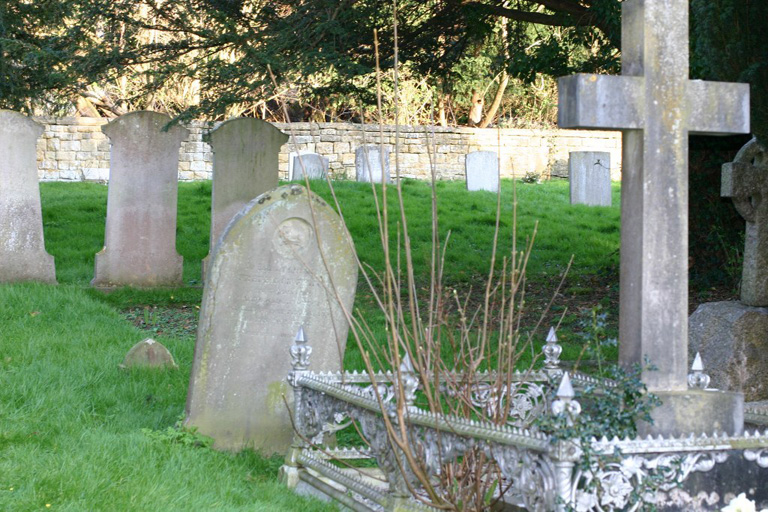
x=732 y=336
x=312 y=165
x=284 y=262
x=140 y=238
x=482 y=170
x=589 y=175
x=372 y=164
x=656 y=106
x=245 y=165
x=22 y=248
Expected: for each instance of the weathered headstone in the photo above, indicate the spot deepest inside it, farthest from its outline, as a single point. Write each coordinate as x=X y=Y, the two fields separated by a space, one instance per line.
x=140 y=238
x=368 y=164
x=268 y=277
x=148 y=353
x=745 y=180
x=312 y=165
x=589 y=174
x=245 y=165
x=482 y=170
x=22 y=248
x=656 y=106
x=731 y=336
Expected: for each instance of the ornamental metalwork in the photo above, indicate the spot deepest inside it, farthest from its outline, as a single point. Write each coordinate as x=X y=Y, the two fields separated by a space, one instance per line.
x=538 y=473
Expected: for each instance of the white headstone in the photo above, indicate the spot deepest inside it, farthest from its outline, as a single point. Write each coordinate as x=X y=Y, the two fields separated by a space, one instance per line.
x=140 y=237
x=22 y=248
x=368 y=164
x=314 y=166
x=268 y=277
x=589 y=174
x=482 y=169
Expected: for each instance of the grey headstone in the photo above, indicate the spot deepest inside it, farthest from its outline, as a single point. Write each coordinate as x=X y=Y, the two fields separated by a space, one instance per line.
x=745 y=180
x=589 y=174
x=368 y=164
x=148 y=353
x=656 y=106
x=482 y=169
x=245 y=165
x=732 y=339
x=140 y=238
x=314 y=166
x=22 y=248
x=268 y=278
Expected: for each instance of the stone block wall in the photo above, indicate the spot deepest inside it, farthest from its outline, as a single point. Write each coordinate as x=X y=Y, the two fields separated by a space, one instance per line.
x=75 y=149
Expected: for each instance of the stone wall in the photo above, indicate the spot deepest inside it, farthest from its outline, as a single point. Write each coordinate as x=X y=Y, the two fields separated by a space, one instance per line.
x=75 y=149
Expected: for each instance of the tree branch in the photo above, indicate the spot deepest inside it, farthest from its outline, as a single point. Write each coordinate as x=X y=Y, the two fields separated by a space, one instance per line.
x=552 y=20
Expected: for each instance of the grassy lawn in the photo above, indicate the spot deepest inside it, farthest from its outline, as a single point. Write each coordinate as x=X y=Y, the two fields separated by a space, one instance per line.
x=77 y=433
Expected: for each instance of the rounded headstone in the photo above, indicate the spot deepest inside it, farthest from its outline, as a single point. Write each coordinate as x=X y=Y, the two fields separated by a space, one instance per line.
x=285 y=261
x=148 y=353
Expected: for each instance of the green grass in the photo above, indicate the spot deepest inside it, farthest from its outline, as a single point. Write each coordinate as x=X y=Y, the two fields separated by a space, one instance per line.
x=79 y=434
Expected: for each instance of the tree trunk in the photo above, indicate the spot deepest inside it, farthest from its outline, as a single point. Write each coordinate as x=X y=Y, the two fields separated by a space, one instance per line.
x=491 y=114
x=442 y=117
x=476 y=110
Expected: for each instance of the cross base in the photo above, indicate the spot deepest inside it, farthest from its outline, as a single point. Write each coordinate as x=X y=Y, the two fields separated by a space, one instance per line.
x=696 y=412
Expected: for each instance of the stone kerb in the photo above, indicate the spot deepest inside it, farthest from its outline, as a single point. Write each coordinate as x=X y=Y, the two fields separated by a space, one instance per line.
x=74 y=149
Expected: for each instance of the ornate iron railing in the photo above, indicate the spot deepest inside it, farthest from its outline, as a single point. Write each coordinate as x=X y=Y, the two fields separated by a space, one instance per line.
x=540 y=473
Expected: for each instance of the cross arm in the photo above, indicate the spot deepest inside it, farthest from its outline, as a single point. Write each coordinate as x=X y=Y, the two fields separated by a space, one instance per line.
x=741 y=179
x=602 y=102
x=718 y=108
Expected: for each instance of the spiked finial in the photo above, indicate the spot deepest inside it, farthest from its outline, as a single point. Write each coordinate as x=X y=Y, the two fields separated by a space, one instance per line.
x=697 y=379
x=552 y=353
x=565 y=390
x=300 y=351
x=551 y=336
x=565 y=404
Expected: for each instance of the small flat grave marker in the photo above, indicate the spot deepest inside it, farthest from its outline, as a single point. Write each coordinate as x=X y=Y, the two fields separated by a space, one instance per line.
x=482 y=170
x=368 y=164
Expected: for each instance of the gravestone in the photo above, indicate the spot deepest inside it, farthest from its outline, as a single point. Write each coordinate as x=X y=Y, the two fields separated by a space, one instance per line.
x=656 y=106
x=589 y=175
x=245 y=165
x=140 y=237
x=148 y=353
x=732 y=336
x=368 y=164
x=22 y=247
x=314 y=166
x=268 y=277
x=482 y=171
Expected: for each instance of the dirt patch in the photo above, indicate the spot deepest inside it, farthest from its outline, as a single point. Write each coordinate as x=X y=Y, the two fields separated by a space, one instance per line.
x=171 y=321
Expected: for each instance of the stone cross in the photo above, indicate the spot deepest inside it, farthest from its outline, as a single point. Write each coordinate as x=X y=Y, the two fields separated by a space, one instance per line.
x=746 y=181
x=656 y=106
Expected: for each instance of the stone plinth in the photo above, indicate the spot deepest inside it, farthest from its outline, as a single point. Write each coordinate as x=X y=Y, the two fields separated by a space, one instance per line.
x=732 y=339
x=696 y=412
x=589 y=175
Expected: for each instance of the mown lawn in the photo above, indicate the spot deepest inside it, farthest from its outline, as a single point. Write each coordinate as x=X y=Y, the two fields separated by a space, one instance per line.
x=78 y=433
